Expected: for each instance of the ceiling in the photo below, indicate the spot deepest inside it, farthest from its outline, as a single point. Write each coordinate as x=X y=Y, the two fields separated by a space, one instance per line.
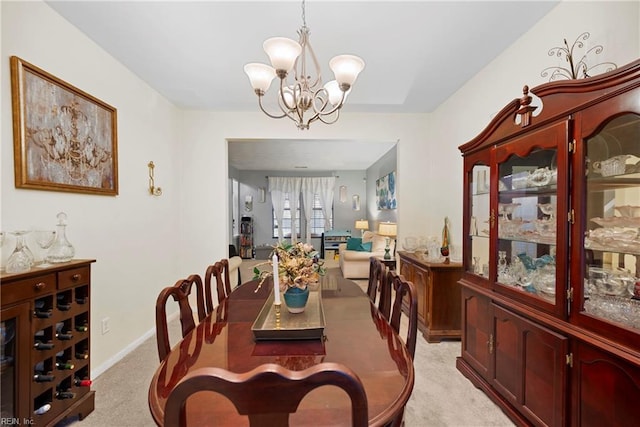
x=417 y=54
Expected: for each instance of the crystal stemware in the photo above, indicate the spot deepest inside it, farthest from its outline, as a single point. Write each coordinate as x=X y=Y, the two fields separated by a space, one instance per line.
x=21 y=259
x=44 y=239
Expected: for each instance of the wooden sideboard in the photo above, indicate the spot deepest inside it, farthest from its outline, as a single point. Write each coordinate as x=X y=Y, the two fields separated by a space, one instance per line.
x=45 y=320
x=439 y=309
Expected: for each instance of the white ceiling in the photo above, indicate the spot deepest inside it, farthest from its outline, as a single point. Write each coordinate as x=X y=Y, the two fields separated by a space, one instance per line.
x=417 y=54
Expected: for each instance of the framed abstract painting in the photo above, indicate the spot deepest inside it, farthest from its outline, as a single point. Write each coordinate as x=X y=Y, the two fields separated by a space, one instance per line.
x=64 y=139
x=386 y=192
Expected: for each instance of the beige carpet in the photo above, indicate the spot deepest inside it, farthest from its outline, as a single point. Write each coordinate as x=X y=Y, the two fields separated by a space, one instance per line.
x=441 y=396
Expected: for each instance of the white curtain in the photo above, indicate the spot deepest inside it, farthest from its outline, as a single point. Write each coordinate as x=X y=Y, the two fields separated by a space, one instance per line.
x=308 y=191
x=325 y=191
x=282 y=187
x=277 y=188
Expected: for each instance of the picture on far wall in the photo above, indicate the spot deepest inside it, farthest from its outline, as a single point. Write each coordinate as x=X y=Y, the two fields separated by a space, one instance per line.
x=386 y=192
x=64 y=138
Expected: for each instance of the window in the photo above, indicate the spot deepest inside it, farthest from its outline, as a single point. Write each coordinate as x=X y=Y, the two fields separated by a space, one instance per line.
x=317 y=219
x=286 y=220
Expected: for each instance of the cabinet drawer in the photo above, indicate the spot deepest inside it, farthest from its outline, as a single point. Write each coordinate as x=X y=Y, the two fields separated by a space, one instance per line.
x=74 y=277
x=33 y=287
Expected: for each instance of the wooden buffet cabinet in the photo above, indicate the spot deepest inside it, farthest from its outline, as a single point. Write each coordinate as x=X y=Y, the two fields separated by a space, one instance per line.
x=438 y=295
x=45 y=322
x=551 y=282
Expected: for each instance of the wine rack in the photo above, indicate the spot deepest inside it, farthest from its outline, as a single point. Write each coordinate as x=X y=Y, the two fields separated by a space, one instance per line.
x=49 y=360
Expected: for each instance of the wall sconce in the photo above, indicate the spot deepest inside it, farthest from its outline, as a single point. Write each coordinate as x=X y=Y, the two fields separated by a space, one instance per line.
x=248 y=203
x=343 y=193
x=262 y=192
x=153 y=190
x=356 y=202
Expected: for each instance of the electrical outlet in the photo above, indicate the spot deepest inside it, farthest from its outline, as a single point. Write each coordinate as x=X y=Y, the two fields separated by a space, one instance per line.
x=105 y=325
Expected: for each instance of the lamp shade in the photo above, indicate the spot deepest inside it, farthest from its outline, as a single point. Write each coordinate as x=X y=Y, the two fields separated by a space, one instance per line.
x=260 y=75
x=282 y=52
x=362 y=224
x=346 y=69
x=388 y=229
x=334 y=92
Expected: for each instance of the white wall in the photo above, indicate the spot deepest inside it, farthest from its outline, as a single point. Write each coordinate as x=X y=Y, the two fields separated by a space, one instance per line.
x=143 y=243
x=132 y=236
x=205 y=164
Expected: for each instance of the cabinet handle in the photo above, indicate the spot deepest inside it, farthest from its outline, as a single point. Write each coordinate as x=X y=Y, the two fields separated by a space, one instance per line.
x=40 y=286
x=76 y=277
x=492 y=217
x=490 y=343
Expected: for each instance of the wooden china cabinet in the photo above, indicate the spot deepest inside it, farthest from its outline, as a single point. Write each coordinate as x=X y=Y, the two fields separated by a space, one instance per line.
x=551 y=282
x=45 y=326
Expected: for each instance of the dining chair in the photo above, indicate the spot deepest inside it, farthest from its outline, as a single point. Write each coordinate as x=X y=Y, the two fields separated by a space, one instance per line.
x=379 y=287
x=180 y=292
x=218 y=272
x=404 y=289
x=252 y=392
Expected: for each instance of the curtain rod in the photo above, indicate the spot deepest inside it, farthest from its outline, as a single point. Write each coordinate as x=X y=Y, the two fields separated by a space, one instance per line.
x=333 y=176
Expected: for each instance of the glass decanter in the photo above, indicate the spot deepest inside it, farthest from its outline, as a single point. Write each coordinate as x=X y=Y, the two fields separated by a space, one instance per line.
x=61 y=250
x=21 y=259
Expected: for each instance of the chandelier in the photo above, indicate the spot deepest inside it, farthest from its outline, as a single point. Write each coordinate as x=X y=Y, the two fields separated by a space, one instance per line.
x=303 y=99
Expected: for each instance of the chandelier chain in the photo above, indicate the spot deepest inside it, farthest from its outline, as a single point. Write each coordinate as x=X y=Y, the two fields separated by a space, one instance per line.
x=304 y=16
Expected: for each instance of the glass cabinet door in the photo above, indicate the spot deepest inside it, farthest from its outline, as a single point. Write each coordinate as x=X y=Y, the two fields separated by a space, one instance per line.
x=479 y=209
x=611 y=285
x=531 y=198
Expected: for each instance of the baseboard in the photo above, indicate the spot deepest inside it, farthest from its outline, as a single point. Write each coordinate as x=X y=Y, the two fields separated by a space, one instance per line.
x=97 y=371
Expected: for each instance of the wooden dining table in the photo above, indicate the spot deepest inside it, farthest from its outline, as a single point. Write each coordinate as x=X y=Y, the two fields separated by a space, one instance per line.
x=355 y=334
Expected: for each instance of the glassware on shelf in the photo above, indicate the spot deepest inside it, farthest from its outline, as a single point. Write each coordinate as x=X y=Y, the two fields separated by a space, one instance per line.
x=548 y=209
x=410 y=244
x=502 y=262
x=61 y=250
x=506 y=210
x=44 y=239
x=628 y=210
x=477 y=268
x=21 y=259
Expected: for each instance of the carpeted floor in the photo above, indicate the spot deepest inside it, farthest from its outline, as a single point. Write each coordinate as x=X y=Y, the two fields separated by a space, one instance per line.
x=441 y=395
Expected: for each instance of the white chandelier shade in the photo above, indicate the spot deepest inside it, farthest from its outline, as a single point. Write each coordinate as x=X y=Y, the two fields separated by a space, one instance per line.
x=301 y=95
x=260 y=76
x=346 y=69
x=282 y=52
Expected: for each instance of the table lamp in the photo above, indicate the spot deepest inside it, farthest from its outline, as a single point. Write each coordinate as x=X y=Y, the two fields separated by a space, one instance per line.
x=362 y=225
x=388 y=229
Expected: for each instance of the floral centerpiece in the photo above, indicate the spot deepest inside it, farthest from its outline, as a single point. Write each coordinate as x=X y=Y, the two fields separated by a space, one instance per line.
x=298 y=266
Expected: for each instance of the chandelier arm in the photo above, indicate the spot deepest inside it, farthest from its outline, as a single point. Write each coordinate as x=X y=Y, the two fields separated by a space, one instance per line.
x=318 y=78
x=323 y=118
x=324 y=104
x=273 y=116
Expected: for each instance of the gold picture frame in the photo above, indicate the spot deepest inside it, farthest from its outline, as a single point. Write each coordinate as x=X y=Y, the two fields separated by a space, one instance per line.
x=63 y=138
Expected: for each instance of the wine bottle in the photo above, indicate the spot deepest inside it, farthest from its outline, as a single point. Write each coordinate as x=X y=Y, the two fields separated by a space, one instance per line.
x=83 y=355
x=61 y=334
x=42 y=378
x=82 y=300
x=39 y=345
x=43 y=409
x=42 y=314
x=62 y=303
x=82 y=328
x=78 y=382
x=64 y=336
x=65 y=395
x=64 y=366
